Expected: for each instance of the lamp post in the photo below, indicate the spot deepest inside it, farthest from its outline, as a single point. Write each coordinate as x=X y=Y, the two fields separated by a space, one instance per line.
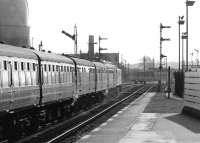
x=188 y=3
x=184 y=36
x=180 y=22
x=100 y=49
x=197 y=56
x=191 y=54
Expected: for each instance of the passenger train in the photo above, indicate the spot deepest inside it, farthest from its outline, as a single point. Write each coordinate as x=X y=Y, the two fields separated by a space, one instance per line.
x=37 y=86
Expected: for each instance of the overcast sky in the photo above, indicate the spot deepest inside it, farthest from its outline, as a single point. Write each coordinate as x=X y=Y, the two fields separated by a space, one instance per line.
x=131 y=26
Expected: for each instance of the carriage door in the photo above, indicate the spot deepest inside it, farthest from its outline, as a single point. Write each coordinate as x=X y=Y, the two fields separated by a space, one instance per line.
x=79 y=79
x=108 y=76
x=11 y=84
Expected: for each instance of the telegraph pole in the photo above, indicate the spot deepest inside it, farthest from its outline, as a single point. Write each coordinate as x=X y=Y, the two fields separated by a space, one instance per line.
x=180 y=22
x=188 y=3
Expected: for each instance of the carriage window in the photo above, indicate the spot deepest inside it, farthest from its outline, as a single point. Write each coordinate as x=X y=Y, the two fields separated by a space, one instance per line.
x=49 y=67
x=15 y=65
x=28 y=66
x=5 y=65
x=67 y=69
x=45 y=67
x=64 y=68
x=61 y=68
x=33 y=66
x=53 y=68
x=22 y=66
x=57 y=68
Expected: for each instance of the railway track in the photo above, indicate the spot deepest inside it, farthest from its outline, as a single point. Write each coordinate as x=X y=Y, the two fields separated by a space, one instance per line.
x=70 y=131
x=77 y=122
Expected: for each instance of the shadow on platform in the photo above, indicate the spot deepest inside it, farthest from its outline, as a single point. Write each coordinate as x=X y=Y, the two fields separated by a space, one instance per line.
x=191 y=123
x=161 y=104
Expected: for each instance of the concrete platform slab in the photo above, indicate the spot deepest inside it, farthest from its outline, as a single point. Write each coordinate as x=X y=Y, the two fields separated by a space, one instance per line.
x=162 y=122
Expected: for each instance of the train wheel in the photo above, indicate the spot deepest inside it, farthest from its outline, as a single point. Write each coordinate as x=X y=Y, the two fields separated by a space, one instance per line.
x=11 y=128
x=59 y=112
x=34 y=123
x=49 y=117
x=1 y=131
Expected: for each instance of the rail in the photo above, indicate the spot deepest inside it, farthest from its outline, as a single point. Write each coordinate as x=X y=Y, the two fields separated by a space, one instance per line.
x=96 y=116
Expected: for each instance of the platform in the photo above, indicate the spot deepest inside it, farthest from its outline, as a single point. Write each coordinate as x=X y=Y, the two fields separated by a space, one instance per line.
x=152 y=118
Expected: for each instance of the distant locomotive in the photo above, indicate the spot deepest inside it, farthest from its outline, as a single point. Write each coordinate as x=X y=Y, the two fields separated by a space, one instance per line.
x=38 y=86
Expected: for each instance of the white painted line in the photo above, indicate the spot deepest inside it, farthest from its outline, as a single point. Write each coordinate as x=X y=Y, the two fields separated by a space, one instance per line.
x=96 y=130
x=111 y=119
x=86 y=137
x=126 y=107
x=104 y=124
x=119 y=112
x=116 y=115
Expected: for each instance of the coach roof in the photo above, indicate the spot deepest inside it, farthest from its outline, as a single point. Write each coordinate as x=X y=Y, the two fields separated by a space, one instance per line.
x=52 y=57
x=13 y=51
x=83 y=62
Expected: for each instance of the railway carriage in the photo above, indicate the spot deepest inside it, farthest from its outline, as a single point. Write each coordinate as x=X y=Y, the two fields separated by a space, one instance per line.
x=39 y=87
x=85 y=77
x=56 y=74
x=119 y=77
x=101 y=77
x=19 y=88
x=111 y=75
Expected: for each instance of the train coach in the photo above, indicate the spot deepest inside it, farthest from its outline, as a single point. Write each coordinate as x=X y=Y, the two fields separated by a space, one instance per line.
x=38 y=87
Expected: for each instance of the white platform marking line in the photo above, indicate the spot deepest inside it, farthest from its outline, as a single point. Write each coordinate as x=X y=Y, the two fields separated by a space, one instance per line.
x=125 y=108
x=119 y=112
x=104 y=124
x=109 y=120
x=85 y=137
x=96 y=129
x=115 y=115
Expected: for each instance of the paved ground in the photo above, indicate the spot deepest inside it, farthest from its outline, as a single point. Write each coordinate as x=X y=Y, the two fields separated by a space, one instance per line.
x=161 y=104
x=151 y=119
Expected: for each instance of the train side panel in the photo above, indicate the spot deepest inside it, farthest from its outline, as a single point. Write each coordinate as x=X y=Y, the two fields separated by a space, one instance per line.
x=18 y=87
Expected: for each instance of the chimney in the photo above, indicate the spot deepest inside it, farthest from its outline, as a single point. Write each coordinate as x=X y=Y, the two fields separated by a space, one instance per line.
x=91 y=47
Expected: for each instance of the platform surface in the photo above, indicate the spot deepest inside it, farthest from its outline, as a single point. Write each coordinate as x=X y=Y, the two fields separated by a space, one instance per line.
x=152 y=118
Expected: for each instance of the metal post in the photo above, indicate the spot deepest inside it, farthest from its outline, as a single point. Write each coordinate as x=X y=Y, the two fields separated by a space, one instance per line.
x=187 y=35
x=75 y=40
x=182 y=54
x=144 y=69
x=100 y=38
x=99 y=48
x=179 y=43
x=160 y=48
x=160 y=68
x=169 y=88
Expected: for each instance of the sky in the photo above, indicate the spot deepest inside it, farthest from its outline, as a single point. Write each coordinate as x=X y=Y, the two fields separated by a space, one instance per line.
x=131 y=26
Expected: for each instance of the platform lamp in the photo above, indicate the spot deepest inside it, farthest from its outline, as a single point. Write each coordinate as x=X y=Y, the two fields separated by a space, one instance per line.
x=180 y=22
x=184 y=36
x=188 y=3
